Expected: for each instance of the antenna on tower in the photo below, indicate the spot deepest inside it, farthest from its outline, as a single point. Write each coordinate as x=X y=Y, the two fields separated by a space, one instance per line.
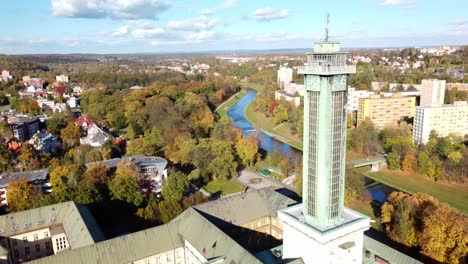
x=327 y=28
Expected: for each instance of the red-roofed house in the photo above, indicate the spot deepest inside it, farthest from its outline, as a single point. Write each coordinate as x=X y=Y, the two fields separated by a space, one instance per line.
x=60 y=90
x=84 y=122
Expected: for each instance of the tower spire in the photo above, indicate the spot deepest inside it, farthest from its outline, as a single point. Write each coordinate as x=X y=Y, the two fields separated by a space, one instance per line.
x=327 y=28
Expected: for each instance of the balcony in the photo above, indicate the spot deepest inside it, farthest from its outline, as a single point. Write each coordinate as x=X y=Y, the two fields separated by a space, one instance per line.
x=326 y=70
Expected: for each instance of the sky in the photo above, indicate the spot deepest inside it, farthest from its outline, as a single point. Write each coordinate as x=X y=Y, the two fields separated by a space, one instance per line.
x=134 y=26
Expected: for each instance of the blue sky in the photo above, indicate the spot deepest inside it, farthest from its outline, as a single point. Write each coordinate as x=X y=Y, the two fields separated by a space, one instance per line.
x=129 y=26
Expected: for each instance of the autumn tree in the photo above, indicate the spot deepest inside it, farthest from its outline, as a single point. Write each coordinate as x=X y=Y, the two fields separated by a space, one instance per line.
x=6 y=159
x=194 y=199
x=247 y=150
x=169 y=209
x=409 y=162
x=92 y=188
x=64 y=180
x=21 y=195
x=140 y=146
x=71 y=135
x=125 y=186
x=393 y=160
x=5 y=132
x=31 y=158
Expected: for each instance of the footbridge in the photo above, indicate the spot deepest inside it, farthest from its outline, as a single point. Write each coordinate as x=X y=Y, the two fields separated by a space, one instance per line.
x=376 y=162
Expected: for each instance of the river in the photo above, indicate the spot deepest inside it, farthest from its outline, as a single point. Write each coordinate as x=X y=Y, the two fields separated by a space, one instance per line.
x=377 y=192
x=266 y=142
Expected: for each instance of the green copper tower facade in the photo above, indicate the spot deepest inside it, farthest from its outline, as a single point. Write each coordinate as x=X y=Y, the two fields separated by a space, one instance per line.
x=325 y=80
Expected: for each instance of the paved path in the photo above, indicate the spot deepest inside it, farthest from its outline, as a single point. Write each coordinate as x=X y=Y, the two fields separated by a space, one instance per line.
x=247 y=175
x=221 y=105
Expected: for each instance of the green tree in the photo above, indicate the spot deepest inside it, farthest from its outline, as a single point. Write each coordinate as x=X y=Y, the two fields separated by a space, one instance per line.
x=125 y=186
x=146 y=213
x=92 y=188
x=64 y=180
x=175 y=186
x=393 y=161
x=55 y=124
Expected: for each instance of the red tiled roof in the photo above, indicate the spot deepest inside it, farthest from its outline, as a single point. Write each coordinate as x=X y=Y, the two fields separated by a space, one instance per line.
x=83 y=121
x=60 y=90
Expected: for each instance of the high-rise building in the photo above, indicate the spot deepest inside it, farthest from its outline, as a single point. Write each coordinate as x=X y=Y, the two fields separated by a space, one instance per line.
x=383 y=111
x=321 y=224
x=432 y=92
x=284 y=77
x=443 y=119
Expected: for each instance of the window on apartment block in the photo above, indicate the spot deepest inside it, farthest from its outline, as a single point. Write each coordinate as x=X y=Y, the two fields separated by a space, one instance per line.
x=16 y=253
x=38 y=248
x=26 y=250
x=25 y=240
x=46 y=234
x=36 y=236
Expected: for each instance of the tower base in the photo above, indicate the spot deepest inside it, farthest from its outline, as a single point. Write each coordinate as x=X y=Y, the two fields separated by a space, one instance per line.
x=338 y=243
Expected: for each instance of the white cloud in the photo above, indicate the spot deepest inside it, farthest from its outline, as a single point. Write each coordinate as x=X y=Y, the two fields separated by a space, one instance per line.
x=193 y=24
x=278 y=37
x=148 y=32
x=201 y=36
x=408 y=4
x=226 y=5
x=459 y=27
x=79 y=8
x=269 y=13
x=121 y=31
x=117 y=9
x=134 y=9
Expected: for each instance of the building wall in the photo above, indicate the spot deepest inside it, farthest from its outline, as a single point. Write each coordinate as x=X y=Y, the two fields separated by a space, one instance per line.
x=284 y=77
x=444 y=120
x=28 y=246
x=176 y=256
x=432 y=92
x=297 y=244
x=60 y=242
x=268 y=225
x=354 y=96
x=386 y=111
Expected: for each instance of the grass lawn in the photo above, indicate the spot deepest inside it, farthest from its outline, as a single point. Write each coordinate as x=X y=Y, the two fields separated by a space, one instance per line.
x=267 y=124
x=454 y=194
x=224 y=187
x=254 y=86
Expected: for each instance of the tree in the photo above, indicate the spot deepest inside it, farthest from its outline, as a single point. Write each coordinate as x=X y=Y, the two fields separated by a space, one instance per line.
x=169 y=210
x=281 y=114
x=140 y=146
x=175 y=186
x=364 y=139
x=55 y=124
x=31 y=159
x=71 y=135
x=146 y=213
x=393 y=161
x=92 y=188
x=194 y=199
x=110 y=149
x=247 y=150
x=6 y=159
x=286 y=165
x=64 y=180
x=409 y=162
x=21 y=195
x=5 y=132
x=125 y=186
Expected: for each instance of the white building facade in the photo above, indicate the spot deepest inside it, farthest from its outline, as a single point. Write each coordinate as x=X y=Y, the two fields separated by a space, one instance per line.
x=432 y=92
x=284 y=77
x=354 y=96
x=444 y=119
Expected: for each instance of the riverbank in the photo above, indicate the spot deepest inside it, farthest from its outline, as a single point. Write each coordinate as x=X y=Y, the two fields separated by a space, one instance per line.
x=266 y=124
x=223 y=108
x=455 y=195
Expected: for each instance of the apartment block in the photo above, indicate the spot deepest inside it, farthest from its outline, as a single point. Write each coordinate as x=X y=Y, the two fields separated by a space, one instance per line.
x=432 y=92
x=384 y=111
x=284 y=77
x=444 y=119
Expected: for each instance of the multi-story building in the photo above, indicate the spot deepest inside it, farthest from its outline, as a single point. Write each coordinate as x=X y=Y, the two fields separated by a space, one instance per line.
x=36 y=82
x=284 y=77
x=457 y=86
x=354 y=96
x=152 y=169
x=22 y=126
x=46 y=231
x=384 y=111
x=444 y=119
x=61 y=78
x=432 y=92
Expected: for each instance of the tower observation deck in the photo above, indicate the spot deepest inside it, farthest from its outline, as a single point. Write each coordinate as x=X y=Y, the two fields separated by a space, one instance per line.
x=325 y=79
